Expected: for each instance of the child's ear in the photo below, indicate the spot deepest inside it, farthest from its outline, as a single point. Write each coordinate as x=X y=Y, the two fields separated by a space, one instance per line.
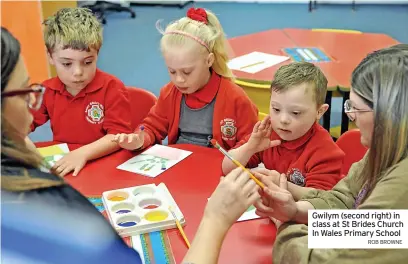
x=322 y=109
x=210 y=59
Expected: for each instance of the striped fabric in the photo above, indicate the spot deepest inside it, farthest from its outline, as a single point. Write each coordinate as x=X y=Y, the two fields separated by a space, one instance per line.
x=155 y=245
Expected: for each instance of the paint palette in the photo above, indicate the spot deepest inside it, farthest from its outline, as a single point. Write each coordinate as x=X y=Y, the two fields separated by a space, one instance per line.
x=141 y=209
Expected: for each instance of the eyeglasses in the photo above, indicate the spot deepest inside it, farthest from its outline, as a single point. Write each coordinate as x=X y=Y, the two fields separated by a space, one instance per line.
x=34 y=94
x=351 y=111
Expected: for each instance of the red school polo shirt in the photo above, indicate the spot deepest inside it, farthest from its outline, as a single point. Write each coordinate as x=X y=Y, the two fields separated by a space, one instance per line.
x=313 y=160
x=101 y=108
x=206 y=94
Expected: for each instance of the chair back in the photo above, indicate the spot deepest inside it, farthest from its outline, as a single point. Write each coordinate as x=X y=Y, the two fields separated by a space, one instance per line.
x=350 y=143
x=141 y=101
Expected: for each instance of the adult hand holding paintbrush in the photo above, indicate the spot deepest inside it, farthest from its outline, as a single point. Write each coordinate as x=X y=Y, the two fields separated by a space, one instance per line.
x=233 y=195
x=259 y=140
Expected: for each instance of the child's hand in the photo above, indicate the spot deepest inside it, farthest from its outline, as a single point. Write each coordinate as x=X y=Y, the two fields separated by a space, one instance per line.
x=260 y=137
x=276 y=201
x=73 y=161
x=130 y=141
x=271 y=174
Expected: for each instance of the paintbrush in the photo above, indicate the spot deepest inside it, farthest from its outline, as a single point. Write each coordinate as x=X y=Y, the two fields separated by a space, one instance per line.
x=180 y=228
x=236 y=162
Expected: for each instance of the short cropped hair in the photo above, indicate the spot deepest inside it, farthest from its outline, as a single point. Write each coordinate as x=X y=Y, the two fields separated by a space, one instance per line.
x=297 y=73
x=74 y=28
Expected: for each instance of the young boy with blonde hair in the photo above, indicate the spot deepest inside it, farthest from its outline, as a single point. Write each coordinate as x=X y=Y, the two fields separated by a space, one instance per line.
x=290 y=141
x=85 y=105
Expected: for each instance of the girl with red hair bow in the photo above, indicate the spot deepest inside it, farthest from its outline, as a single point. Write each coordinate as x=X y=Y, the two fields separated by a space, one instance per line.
x=202 y=101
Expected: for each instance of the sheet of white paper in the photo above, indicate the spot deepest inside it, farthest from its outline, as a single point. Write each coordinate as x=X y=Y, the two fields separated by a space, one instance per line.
x=54 y=150
x=255 y=62
x=249 y=214
x=53 y=153
x=154 y=161
x=137 y=245
x=56 y=158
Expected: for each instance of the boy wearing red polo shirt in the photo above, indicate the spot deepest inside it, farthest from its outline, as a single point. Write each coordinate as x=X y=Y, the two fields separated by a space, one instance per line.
x=290 y=140
x=201 y=102
x=85 y=105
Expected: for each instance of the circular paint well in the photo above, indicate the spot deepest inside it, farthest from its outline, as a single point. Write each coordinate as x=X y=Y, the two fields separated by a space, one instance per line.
x=127 y=224
x=156 y=216
x=150 y=203
x=123 y=211
x=128 y=221
x=144 y=190
x=150 y=206
x=123 y=208
x=118 y=196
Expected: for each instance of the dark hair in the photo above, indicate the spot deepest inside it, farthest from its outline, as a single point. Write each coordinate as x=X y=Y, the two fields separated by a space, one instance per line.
x=11 y=147
x=10 y=53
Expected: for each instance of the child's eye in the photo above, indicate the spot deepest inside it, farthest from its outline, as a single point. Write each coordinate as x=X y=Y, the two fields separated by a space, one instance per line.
x=296 y=113
x=187 y=73
x=172 y=72
x=276 y=110
x=88 y=62
x=67 y=64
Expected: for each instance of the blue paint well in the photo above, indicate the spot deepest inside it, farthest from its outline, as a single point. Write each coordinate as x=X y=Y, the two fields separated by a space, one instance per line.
x=127 y=224
x=123 y=211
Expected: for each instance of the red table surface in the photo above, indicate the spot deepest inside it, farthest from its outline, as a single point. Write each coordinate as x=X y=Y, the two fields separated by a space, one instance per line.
x=190 y=182
x=272 y=42
x=347 y=50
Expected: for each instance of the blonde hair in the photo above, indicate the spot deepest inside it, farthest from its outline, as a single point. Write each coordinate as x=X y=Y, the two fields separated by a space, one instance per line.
x=381 y=80
x=211 y=34
x=74 y=28
x=297 y=73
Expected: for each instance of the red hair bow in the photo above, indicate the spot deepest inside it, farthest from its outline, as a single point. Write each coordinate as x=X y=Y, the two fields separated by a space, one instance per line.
x=197 y=14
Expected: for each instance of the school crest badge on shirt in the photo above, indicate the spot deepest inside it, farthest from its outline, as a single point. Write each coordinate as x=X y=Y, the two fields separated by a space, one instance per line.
x=94 y=113
x=295 y=176
x=228 y=129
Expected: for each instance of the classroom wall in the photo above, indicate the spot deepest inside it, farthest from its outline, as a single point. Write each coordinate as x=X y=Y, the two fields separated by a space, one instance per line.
x=23 y=20
x=49 y=8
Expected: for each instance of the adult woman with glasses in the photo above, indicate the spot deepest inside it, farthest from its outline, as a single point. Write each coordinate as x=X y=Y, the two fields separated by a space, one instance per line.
x=39 y=210
x=45 y=220
x=379 y=106
x=34 y=95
